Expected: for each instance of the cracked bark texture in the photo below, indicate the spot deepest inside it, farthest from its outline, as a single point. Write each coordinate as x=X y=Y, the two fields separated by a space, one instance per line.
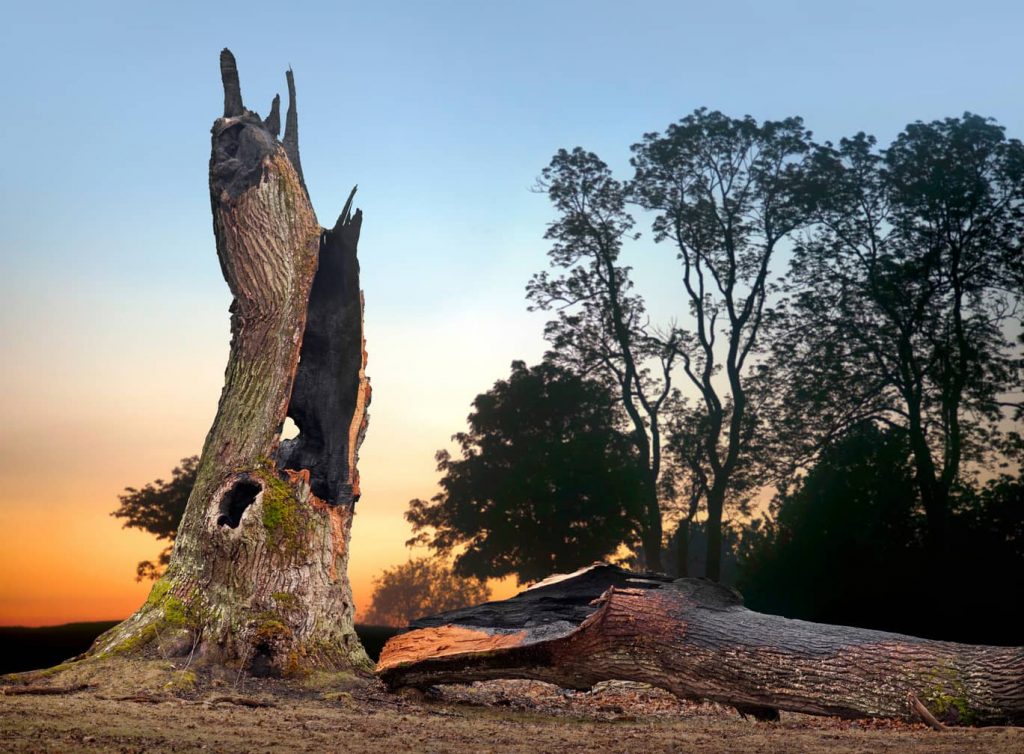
x=258 y=577
x=695 y=639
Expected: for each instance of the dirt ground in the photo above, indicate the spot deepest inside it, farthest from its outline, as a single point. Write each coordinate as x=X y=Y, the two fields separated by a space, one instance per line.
x=500 y=716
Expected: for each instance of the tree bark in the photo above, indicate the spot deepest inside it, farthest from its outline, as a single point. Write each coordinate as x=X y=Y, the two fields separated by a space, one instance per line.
x=695 y=639
x=258 y=576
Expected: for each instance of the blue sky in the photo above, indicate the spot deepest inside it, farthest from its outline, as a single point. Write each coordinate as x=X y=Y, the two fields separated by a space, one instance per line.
x=114 y=325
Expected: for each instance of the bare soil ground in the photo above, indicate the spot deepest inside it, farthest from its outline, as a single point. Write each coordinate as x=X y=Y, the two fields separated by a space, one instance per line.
x=500 y=716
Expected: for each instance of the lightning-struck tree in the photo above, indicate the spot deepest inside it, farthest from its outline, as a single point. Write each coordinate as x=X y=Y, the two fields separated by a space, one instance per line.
x=258 y=576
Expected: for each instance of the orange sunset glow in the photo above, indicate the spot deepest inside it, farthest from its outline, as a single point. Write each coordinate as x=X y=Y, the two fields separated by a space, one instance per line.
x=137 y=391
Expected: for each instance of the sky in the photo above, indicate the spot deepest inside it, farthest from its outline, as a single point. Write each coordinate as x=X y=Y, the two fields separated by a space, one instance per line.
x=114 y=322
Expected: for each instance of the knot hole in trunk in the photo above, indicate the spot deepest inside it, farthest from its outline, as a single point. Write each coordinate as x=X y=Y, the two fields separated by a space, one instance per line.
x=241 y=495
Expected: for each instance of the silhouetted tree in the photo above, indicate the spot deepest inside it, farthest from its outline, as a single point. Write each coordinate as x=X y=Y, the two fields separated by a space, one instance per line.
x=727 y=193
x=157 y=508
x=421 y=586
x=686 y=480
x=545 y=482
x=601 y=329
x=902 y=297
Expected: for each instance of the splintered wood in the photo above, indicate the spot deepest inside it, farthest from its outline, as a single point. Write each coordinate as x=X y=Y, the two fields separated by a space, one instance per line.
x=444 y=641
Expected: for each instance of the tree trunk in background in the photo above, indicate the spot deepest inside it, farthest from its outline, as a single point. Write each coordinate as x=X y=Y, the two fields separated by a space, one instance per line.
x=683 y=549
x=716 y=503
x=258 y=577
x=695 y=639
x=650 y=536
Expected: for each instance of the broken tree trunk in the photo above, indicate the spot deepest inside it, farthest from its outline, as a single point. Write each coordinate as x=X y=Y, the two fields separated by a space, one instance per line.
x=695 y=639
x=258 y=577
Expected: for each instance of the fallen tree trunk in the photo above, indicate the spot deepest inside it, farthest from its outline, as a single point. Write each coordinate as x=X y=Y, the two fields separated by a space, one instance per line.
x=258 y=576
x=695 y=639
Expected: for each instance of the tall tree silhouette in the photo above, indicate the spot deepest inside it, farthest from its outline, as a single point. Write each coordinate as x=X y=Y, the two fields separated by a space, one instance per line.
x=601 y=328
x=726 y=193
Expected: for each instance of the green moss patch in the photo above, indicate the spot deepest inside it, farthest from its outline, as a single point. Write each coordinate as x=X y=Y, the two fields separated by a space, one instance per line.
x=269 y=627
x=283 y=516
x=947 y=698
x=181 y=680
x=161 y=587
x=285 y=600
x=169 y=615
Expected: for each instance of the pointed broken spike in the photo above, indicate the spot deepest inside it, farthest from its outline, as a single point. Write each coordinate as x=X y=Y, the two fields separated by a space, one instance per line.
x=354 y=226
x=232 y=89
x=273 y=121
x=291 y=130
x=346 y=211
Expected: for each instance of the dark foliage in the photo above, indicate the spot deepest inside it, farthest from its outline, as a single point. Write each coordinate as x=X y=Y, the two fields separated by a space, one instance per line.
x=157 y=508
x=846 y=546
x=33 y=648
x=545 y=483
x=44 y=647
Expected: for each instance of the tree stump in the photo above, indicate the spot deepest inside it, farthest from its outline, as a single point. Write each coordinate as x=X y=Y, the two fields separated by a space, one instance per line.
x=695 y=639
x=258 y=576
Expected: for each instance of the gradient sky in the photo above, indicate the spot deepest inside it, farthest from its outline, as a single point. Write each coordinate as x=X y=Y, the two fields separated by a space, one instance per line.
x=114 y=323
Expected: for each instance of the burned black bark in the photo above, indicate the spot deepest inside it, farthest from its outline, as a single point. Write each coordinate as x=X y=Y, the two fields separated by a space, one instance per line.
x=695 y=639
x=258 y=577
x=330 y=378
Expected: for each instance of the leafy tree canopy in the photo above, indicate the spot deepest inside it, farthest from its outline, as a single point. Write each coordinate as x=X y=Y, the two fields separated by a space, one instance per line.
x=904 y=298
x=422 y=586
x=157 y=508
x=545 y=483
